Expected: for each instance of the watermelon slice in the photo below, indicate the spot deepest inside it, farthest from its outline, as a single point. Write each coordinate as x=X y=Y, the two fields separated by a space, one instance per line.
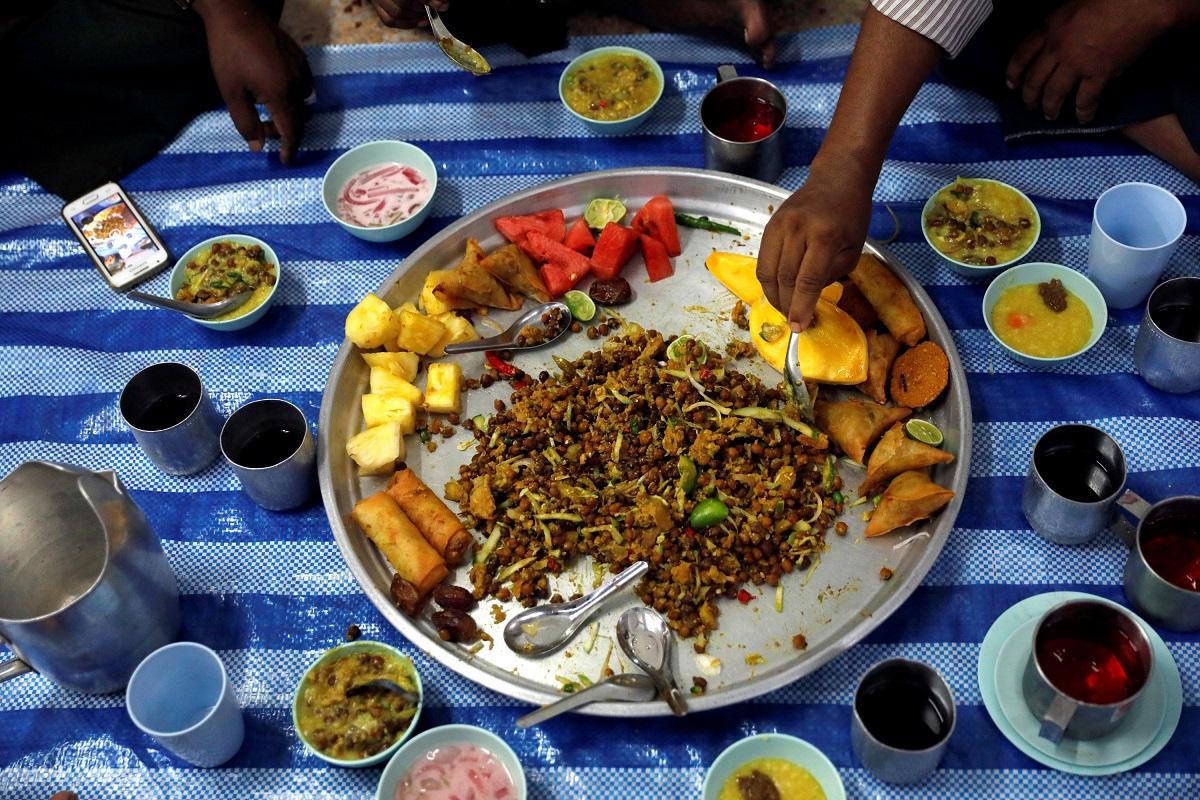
x=615 y=247
x=574 y=266
x=657 y=220
x=552 y=223
x=557 y=279
x=658 y=264
x=580 y=238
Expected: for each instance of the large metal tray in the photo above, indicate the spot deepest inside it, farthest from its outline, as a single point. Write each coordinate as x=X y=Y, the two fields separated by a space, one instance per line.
x=834 y=605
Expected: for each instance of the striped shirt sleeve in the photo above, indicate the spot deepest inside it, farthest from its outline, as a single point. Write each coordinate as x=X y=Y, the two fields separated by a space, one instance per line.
x=949 y=23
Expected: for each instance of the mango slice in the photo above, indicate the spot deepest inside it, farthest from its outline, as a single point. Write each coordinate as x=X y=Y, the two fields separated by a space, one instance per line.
x=735 y=272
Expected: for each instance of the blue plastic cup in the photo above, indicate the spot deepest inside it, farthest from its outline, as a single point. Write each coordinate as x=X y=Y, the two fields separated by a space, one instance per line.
x=1135 y=229
x=180 y=695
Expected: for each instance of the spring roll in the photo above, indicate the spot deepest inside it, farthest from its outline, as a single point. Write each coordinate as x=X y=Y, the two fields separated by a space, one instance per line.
x=438 y=524
x=413 y=558
x=890 y=299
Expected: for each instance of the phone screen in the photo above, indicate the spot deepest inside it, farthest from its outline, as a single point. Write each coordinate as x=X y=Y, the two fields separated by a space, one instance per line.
x=115 y=235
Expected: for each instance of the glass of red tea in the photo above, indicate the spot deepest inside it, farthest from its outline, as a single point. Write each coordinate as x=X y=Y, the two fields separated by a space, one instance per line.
x=1089 y=663
x=1162 y=572
x=743 y=120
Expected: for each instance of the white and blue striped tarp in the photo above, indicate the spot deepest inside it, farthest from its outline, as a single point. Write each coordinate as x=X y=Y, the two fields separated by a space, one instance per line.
x=269 y=591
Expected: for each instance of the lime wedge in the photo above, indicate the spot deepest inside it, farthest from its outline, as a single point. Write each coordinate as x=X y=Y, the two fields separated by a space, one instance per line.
x=924 y=431
x=582 y=307
x=602 y=211
x=677 y=348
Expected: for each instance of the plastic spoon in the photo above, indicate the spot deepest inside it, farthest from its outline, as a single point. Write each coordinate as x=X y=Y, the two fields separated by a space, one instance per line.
x=629 y=687
x=645 y=637
x=508 y=339
x=198 y=310
x=542 y=630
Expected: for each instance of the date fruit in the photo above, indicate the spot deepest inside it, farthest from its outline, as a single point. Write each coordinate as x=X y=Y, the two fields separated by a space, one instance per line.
x=453 y=597
x=405 y=596
x=454 y=625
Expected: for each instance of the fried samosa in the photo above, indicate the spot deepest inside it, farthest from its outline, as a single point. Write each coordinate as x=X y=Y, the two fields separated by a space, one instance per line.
x=890 y=299
x=910 y=496
x=856 y=424
x=469 y=281
x=897 y=453
x=881 y=352
x=512 y=267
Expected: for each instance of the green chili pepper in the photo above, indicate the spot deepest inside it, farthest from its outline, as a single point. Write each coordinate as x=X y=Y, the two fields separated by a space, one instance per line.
x=705 y=224
x=687 y=475
x=237 y=276
x=838 y=497
x=635 y=424
x=217 y=285
x=708 y=513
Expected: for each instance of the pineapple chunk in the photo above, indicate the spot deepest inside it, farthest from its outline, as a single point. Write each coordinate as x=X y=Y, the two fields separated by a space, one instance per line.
x=380 y=408
x=442 y=388
x=405 y=307
x=458 y=329
x=371 y=323
x=403 y=364
x=376 y=450
x=384 y=381
x=418 y=333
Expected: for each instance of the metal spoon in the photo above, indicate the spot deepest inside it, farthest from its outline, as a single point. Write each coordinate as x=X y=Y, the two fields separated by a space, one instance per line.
x=408 y=695
x=198 y=310
x=542 y=630
x=630 y=687
x=645 y=637
x=457 y=51
x=508 y=339
x=797 y=390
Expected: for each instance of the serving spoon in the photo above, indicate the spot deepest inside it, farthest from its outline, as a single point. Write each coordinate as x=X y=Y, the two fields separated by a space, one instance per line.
x=542 y=630
x=508 y=340
x=796 y=388
x=198 y=310
x=645 y=637
x=407 y=695
x=455 y=49
x=629 y=687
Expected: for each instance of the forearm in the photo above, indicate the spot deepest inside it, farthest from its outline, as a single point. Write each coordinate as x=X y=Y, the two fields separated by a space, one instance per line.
x=210 y=10
x=1184 y=12
x=889 y=64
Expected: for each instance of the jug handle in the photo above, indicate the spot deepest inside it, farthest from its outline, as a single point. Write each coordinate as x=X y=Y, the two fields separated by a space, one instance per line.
x=12 y=667
x=726 y=72
x=1134 y=506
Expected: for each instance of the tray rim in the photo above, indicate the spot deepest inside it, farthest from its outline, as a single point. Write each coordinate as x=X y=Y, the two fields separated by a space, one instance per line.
x=748 y=690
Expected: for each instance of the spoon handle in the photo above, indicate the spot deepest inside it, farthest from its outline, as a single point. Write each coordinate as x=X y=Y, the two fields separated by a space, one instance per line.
x=589 y=604
x=161 y=302
x=498 y=342
x=435 y=23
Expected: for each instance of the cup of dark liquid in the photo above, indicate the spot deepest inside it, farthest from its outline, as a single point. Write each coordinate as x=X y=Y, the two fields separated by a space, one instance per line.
x=1162 y=572
x=1089 y=663
x=1076 y=474
x=171 y=417
x=269 y=446
x=743 y=126
x=1167 y=350
x=903 y=718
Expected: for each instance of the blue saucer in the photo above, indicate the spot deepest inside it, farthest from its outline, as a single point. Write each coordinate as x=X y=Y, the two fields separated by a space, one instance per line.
x=1141 y=736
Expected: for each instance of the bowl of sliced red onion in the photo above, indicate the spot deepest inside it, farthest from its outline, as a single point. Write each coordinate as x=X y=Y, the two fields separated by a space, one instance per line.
x=380 y=191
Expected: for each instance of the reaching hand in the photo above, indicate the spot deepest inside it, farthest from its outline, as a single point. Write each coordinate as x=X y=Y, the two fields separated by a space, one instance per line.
x=406 y=13
x=1082 y=46
x=253 y=61
x=814 y=238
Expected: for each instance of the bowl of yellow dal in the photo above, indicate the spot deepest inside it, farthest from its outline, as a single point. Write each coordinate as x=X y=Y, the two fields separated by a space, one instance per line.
x=611 y=89
x=798 y=769
x=1039 y=324
x=980 y=226
x=242 y=245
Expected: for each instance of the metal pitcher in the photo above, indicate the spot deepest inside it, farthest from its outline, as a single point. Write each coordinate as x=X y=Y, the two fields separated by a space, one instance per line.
x=85 y=589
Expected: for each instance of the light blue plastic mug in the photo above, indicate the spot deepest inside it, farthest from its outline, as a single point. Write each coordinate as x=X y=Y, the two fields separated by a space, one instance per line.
x=180 y=695
x=1135 y=229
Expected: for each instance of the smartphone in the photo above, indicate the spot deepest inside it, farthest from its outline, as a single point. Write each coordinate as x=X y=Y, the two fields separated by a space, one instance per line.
x=114 y=233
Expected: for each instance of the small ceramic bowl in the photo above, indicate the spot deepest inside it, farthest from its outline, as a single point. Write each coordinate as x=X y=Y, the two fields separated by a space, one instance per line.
x=368 y=155
x=976 y=270
x=617 y=126
x=1040 y=272
x=250 y=317
x=418 y=746
x=361 y=646
x=773 y=745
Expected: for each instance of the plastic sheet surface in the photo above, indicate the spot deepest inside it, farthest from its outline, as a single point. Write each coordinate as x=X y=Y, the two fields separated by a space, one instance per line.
x=269 y=591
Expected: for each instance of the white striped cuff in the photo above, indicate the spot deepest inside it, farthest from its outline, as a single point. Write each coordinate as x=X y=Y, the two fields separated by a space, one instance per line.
x=949 y=23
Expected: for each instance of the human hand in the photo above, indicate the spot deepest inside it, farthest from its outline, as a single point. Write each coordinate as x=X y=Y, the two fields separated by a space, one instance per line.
x=814 y=238
x=254 y=61
x=1082 y=46
x=406 y=13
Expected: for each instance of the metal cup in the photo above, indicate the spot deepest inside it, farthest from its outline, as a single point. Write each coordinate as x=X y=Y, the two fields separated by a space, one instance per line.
x=1168 y=358
x=1060 y=713
x=1157 y=599
x=178 y=443
x=761 y=158
x=887 y=762
x=1098 y=463
x=285 y=483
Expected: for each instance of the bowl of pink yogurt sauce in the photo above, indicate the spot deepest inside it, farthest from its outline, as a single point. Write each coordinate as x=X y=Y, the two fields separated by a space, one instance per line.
x=380 y=191
x=453 y=761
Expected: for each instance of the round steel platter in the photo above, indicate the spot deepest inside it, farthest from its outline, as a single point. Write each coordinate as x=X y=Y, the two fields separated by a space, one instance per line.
x=833 y=605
